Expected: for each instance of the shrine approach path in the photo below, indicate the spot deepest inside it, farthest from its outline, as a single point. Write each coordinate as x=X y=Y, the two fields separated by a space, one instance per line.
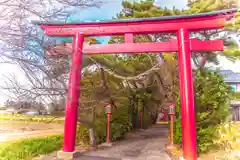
x=142 y=145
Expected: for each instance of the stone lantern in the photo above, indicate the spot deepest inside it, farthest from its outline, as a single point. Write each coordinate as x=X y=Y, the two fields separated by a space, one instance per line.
x=108 y=108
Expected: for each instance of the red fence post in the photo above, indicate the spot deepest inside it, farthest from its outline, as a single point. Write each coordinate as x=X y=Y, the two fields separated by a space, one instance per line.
x=71 y=111
x=171 y=114
x=187 y=96
x=108 y=128
x=108 y=110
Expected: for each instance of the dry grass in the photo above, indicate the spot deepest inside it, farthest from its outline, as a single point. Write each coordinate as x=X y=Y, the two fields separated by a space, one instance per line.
x=40 y=118
x=230 y=134
x=212 y=155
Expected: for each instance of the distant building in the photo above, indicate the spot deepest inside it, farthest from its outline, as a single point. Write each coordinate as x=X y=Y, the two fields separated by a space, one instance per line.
x=235 y=109
x=233 y=79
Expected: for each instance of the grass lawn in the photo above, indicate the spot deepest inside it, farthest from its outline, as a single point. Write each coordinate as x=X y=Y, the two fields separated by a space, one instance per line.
x=29 y=148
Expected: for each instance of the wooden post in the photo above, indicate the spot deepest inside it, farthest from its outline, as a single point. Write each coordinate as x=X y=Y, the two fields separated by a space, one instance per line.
x=108 y=128
x=171 y=114
x=108 y=111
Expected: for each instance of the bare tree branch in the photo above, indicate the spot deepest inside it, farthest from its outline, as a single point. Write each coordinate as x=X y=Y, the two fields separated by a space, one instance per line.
x=24 y=44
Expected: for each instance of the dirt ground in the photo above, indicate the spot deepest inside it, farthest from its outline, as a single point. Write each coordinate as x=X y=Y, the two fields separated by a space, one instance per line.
x=21 y=125
x=15 y=130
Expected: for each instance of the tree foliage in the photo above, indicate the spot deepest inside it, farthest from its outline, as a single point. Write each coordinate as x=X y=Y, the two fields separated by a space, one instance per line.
x=231 y=30
x=212 y=103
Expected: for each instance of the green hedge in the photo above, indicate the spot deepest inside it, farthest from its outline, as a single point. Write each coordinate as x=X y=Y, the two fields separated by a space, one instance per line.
x=29 y=148
x=120 y=125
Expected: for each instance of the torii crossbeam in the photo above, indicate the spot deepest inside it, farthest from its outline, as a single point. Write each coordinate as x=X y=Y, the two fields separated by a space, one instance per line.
x=181 y=25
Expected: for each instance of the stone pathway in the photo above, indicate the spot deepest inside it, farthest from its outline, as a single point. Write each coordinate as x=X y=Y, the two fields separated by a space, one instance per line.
x=143 y=145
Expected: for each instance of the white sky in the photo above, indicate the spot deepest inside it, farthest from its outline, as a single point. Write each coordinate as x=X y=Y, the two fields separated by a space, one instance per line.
x=226 y=64
x=6 y=70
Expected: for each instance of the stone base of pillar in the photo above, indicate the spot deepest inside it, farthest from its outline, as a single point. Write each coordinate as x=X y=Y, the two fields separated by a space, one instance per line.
x=106 y=144
x=170 y=146
x=65 y=155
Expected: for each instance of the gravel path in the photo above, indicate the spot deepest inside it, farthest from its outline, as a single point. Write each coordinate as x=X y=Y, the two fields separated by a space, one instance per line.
x=143 y=145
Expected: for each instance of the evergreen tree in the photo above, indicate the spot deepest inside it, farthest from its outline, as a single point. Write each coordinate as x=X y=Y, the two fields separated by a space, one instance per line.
x=232 y=26
x=209 y=111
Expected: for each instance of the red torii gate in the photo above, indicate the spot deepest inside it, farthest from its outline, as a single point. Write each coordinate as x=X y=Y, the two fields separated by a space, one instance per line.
x=181 y=25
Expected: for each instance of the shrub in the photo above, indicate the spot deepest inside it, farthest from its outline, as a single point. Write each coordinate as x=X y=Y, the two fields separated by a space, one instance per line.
x=212 y=96
x=82 y=134
x=120 y=125
x=29 y=148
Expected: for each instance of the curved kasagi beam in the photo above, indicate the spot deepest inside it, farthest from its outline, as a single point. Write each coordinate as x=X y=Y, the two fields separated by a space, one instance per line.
x=193 y=22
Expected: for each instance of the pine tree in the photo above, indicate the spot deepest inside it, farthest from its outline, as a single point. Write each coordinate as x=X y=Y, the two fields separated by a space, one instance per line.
x=209 y=114
x=232 y=26
x=147 y=8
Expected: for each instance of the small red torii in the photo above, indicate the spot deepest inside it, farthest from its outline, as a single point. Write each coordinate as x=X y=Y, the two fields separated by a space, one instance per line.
x=181 y=25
